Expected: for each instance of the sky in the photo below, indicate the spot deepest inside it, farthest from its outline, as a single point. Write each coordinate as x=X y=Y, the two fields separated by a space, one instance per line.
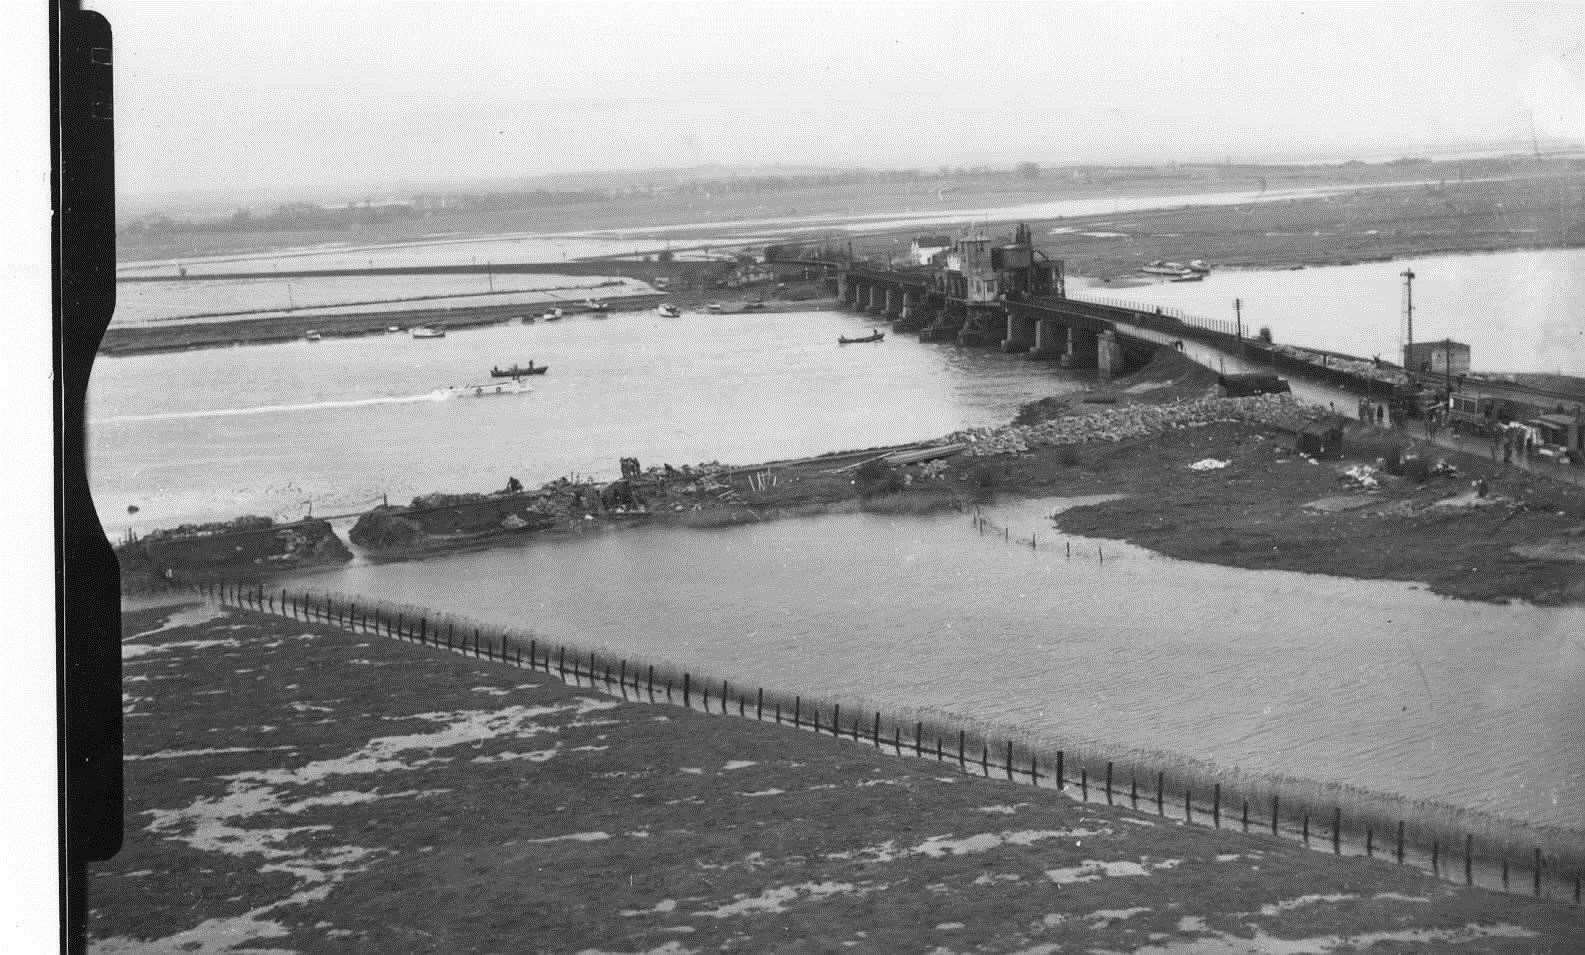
x=218 y=96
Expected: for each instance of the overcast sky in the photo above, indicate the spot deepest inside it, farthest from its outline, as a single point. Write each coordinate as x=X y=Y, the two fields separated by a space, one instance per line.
x=282 y=95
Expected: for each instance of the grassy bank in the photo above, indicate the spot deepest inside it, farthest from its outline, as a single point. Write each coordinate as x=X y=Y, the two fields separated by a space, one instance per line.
x=281 y=795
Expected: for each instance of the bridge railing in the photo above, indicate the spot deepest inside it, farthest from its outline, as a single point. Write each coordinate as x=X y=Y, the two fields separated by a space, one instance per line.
x=1214 y=325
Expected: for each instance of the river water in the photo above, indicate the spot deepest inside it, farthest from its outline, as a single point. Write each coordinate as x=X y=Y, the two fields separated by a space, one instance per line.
x=267 y=429
x=1372 y=683
x=1518 y=311
x=1376 y=684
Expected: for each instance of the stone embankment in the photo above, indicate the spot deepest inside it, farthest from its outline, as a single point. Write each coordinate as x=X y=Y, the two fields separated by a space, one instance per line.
x=1125 y=422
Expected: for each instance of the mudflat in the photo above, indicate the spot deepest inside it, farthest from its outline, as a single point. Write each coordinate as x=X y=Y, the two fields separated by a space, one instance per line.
x=292 y=786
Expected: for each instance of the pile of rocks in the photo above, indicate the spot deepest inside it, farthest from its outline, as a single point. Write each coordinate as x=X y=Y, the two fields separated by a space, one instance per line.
x=1135 y=421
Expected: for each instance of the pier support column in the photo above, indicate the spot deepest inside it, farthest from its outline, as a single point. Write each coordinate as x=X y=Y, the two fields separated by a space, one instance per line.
x=1049 y=340
x=877 y=299
x=844 y=289
x=1109 y=355
x=910 y=303
x=861 y=296
x=1020 y=333
x=1081 y=349
x=894 y=302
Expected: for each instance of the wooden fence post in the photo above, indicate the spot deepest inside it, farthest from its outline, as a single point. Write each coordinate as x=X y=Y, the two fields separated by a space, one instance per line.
x=1188 y=807
x=759 y=704
x=398 y=633
x=778 y=712
x=938 y=748
x=797 y=711
x=476 y=644
x=1538 y=872
x=651 y=679
x=836 y=720
x=1370 y=841
x=1436 y=860
x=1133 y=789
x=985 y=759
x=876 y=736
x=686 y=688
x=1062 y=779
x=1274 y=805
x=1216 y=806
x=897 y=738
x=1505 y=872
x=423 y=629
x=1009 y=760
x=962 y=761
x=723 y=695
x=1246 y=815
x=919 y=738
x=1084 y=782
x=1108 y=782
x=1161 y=794
x=1305 y=832
x=1337 y=831
x=1400 y=842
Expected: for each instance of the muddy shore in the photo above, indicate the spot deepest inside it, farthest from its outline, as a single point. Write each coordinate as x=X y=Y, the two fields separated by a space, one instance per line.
x=281 y=796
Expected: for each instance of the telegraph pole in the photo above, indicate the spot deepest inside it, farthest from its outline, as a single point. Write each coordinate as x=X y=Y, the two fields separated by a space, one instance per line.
x=1238 y=317
x=1408 y=312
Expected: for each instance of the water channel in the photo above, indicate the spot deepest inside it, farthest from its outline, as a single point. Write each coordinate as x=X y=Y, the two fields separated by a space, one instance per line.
x=1373 y=683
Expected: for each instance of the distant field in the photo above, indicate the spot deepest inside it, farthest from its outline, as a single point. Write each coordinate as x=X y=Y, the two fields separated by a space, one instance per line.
x=967 y=191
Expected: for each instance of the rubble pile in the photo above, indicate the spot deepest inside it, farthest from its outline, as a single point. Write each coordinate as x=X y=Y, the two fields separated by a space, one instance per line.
x=1134 y=421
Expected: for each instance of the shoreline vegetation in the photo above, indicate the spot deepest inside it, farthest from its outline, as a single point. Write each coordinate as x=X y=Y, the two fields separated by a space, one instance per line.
x=428 y=820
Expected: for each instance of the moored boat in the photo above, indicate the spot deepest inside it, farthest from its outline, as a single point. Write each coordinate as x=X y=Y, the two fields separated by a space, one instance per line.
x=1188 y=277
x=1160 y=267
x=311 y=335
x=429 y=331
x=518 y=371
x=872 y=337
x=552 y=315
x=594 y=305
x=665 y=310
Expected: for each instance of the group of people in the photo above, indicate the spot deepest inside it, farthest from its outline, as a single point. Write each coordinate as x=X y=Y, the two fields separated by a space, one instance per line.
x=1371 y=411
x=1512 y=438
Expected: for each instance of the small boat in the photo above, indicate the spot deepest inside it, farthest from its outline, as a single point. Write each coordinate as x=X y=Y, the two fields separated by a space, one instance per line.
x=393 y=329
x=1159 y=267
x=518 y=371
x=668 y=311
x=311 y=335
x=872 y=337
x=594 y=305
x=552 y=315
x=429 y=331
x=488 y=390
x=750 y=306
x=1188 y=277
x=713 y=307
x=1198 y=265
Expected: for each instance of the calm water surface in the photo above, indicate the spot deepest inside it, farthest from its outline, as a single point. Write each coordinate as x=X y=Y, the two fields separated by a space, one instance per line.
x=210 y=434
x=1518 y=311
x=1376 y=684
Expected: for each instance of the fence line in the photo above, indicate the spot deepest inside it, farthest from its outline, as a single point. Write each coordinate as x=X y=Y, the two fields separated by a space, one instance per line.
x=1431 y=846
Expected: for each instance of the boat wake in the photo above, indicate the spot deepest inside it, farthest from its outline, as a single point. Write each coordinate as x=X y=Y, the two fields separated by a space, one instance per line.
x=440 y=394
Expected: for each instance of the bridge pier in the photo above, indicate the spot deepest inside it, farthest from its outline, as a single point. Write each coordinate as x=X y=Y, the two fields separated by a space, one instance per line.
x=1081 y=350
x=910 y=303
x=894 y=302
x=1049 y=340
x=1108 y=355
x=877 y=299
x=1020 y=333
x=844 y=289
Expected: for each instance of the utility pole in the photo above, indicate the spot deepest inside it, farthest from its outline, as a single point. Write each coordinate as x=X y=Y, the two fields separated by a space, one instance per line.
x=1408 y=314
x=1238 y=317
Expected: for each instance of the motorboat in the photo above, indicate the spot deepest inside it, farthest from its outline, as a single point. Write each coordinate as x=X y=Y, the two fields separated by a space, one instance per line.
x=594 y=305
x=429 y=331
x=665 y=310
x=1198 y=265
x=552 y=315
x=489 y=389
x=713 y=307
x=518 y=371
x=875 y=336
x=1160 y=267
x=311 y=335
x=1188 y=277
